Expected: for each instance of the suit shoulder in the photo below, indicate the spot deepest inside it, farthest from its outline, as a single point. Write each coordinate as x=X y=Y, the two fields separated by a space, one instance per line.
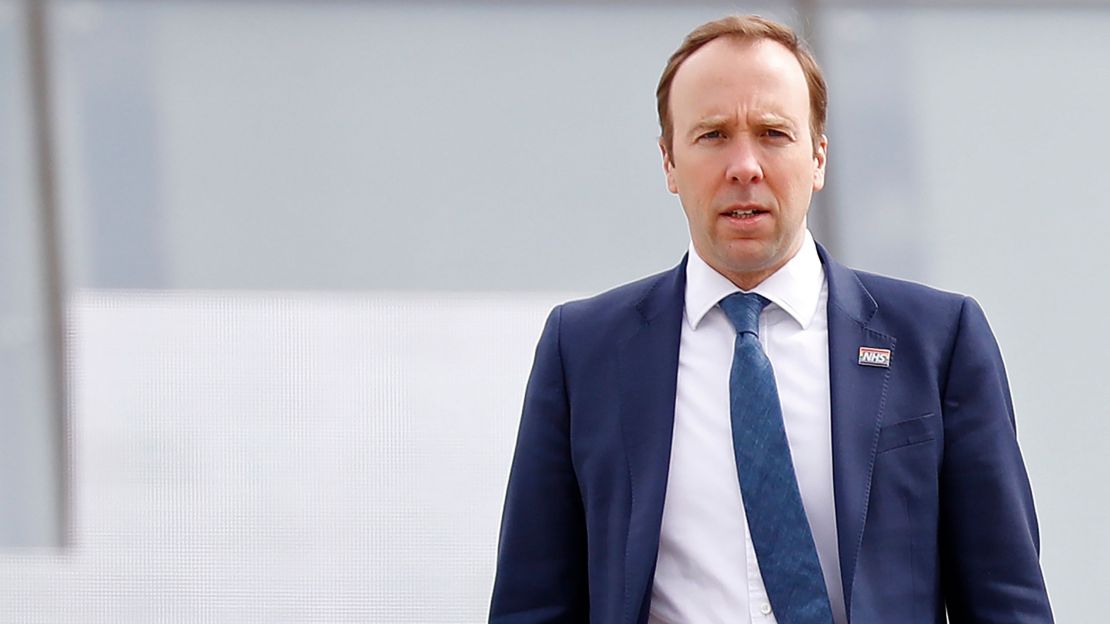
x=620 y=300
x=915 y=311
x=900 y=293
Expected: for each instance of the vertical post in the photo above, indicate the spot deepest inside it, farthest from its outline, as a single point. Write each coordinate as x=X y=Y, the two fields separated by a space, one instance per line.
x=822 y=219
x=42 y=145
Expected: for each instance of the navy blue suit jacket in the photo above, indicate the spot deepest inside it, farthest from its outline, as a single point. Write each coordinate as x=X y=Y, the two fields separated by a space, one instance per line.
x=933 y=505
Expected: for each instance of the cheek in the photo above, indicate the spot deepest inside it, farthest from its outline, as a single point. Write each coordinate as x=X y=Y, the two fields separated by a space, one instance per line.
x=798 y=183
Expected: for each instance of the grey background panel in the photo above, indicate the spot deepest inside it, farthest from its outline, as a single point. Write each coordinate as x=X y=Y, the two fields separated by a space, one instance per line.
x=366 y=145
x=968 y=154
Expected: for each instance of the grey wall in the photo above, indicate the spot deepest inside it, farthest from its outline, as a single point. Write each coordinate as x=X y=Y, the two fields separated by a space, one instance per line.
x=366 y=145
x=969 y=153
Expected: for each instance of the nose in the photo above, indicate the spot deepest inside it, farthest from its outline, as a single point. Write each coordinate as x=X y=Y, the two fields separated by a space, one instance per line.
x=744 y=164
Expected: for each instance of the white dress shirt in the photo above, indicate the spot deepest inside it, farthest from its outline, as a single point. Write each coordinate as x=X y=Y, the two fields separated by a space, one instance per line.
x=706 y=570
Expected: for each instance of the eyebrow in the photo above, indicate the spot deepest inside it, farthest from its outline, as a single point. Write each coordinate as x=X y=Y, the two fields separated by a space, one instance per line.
x=772 y=120
x=717 y=122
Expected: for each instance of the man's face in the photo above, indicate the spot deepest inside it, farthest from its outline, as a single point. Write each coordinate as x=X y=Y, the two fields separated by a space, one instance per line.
x=743 y=162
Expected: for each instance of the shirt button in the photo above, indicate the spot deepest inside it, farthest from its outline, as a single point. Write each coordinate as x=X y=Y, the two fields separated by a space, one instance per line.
x=765 y=609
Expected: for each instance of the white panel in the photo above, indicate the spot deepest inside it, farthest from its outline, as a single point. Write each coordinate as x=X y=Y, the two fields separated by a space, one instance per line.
x=284 y=458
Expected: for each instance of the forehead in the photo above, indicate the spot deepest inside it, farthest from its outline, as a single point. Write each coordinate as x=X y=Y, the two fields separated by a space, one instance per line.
x=730 y=76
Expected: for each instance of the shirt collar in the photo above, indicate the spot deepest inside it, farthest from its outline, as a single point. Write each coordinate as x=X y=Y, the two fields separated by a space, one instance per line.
x=795 y=288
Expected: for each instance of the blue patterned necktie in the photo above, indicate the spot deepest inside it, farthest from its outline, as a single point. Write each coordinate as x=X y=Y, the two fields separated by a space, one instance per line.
x=776 y=519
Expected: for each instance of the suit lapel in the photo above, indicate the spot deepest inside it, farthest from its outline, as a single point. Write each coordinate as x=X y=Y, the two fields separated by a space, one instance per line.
x=857 y=395
x=648 y=369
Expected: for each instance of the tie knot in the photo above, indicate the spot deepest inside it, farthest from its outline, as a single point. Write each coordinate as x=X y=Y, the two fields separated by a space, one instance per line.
x=743 y=310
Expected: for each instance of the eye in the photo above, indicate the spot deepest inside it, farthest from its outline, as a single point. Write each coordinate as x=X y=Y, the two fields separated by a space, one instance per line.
x=775 y=133
x=712 y=135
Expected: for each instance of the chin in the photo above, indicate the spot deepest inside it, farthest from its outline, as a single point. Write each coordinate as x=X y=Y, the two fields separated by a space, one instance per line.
x=751 y=255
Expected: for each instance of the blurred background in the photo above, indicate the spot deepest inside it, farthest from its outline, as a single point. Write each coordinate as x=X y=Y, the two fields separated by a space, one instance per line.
x=271 y=273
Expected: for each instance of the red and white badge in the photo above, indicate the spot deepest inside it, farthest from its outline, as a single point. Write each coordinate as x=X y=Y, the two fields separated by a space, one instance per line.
x=871 y=356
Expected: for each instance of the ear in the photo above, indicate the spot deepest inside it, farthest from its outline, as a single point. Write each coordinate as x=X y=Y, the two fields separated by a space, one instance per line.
x=820 y=157
x=668 y=168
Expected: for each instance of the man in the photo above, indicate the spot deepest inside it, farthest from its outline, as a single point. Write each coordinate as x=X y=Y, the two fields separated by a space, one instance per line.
x=762 y=434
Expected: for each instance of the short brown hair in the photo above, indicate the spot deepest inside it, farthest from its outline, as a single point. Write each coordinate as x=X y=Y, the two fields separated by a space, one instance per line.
x=744 y=27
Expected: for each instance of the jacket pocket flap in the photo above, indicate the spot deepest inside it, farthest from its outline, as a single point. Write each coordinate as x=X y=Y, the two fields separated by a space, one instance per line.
x=906 y=432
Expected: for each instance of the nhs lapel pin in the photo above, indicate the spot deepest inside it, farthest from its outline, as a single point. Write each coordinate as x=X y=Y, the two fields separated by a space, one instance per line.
x=870 y=356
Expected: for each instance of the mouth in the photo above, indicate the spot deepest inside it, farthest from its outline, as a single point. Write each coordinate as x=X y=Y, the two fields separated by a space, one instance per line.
x=744 y=213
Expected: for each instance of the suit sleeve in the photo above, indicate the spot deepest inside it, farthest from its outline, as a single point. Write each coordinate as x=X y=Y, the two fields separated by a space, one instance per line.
x=541 y=558
x=989 y=544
